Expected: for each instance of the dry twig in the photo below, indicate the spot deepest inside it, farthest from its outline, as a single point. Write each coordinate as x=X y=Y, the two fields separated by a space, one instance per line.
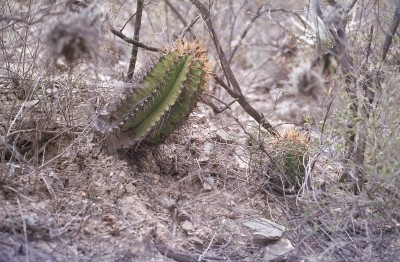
x=133 y=41
x=232 y=87
x=135 y=48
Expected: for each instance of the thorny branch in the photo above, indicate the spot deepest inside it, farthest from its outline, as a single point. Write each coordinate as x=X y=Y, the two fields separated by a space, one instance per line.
x=232 y=87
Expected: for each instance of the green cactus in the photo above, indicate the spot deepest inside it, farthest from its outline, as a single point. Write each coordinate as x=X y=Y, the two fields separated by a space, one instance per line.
x=158 y=100
x=290 y=155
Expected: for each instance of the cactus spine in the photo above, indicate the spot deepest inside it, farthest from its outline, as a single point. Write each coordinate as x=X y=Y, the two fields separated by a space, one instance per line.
x=290 y=156
x=158 y=100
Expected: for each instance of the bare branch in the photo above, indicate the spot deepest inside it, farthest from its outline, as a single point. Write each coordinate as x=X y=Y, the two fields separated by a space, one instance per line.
x=132 y=16
x=215 y=108
x=176 y=12
x=348 y=9
x=245 y=31
x=182 y=19
x=235 y=90
x=133 y=42
x=188 y=28
x=135 y=49
x=316 y=7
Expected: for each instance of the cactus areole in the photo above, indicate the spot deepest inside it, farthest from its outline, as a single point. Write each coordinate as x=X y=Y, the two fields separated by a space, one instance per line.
x=159 y=99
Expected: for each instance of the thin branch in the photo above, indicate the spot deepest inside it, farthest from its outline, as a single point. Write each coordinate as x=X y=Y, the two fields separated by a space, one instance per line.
x=289 y=12
x=182 y=19
x=209 y=246
x=316 y=7
x=215 y=108
x=372 y=79
x=188 y=28
x=132 y=16
x=135 y=49
x=369 y=49
x=346 y=63
x=245 y=31
x=134 y=42
x=235 y=91
x=176 y=12
x=348 y=9
x=233 y=22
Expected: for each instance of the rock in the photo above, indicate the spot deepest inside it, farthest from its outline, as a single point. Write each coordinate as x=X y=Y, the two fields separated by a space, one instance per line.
x=207 y=150
x=47 y=247
x=30 y=104
x=208 y=183
x=279 y=248
x=266 y=229
x=196 y=240
x=223 y=137
x=187 y=226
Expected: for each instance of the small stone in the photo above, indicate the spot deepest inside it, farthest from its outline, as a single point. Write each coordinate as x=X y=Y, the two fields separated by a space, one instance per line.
x=196 y=240
x=30 y=104
x=266 y=229
x=279 y=248
x=208 y=183
x=205 y=157
x=47 y=247
x=187 y=226
x=223 y=137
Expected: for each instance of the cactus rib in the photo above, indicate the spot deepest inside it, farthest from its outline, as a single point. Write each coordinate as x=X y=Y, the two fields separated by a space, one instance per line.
x=157 y=103
x=290 y=155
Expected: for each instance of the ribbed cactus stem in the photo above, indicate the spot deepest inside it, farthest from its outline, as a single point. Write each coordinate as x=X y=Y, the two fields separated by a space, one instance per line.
x=290 y=155
x=159 y=100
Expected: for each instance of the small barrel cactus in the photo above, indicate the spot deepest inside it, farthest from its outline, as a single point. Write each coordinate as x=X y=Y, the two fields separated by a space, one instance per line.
x=158 y=100
x=290 y=155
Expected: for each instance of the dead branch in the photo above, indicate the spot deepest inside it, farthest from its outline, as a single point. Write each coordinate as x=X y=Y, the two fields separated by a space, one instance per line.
x=188 y=27
x=215 y=108
x=232 y=87
x=133 y=41
x=176 y=12
x=135 y=49
x=369 y=86
x=245 y=31
x=132 y=16
x=351 y=5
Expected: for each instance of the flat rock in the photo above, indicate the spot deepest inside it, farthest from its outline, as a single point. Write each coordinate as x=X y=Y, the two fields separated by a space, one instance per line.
x=265 y=229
